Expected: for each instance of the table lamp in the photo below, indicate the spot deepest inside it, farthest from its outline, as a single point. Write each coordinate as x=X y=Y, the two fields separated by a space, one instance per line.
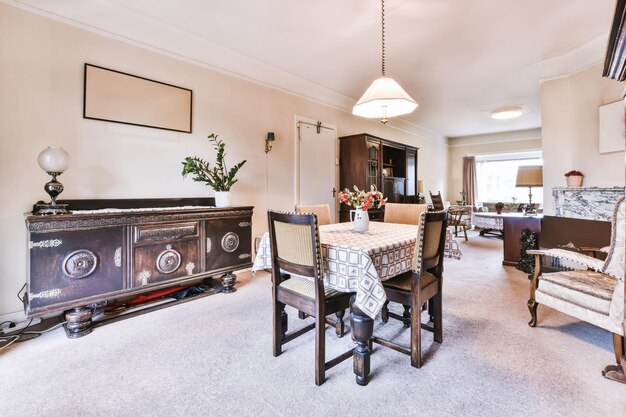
x=530 y=176
x=54 y=161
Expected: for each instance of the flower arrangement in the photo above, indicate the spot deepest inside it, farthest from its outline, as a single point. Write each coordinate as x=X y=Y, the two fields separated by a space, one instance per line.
x=574 y=172
x=360 y=199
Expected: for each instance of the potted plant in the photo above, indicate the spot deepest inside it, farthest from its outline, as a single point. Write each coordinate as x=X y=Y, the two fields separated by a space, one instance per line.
x=574 y=178
x=361 y=201
x=218 y=177
x=499 y=207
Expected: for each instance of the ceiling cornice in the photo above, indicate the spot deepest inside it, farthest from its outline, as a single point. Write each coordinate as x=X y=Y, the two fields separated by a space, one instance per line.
x=578 y=59
x=489 y=138
x=148 y=33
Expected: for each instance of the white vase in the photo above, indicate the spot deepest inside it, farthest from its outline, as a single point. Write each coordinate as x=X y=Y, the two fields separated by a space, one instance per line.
x=360 y=220
x=222 y=199
x=574 y=181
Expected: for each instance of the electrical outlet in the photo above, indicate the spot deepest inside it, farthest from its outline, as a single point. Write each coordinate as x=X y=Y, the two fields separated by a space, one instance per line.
x=19 y=326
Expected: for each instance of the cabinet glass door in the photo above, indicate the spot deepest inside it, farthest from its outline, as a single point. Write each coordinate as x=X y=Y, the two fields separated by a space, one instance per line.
x=373 y=165
x=411 y=175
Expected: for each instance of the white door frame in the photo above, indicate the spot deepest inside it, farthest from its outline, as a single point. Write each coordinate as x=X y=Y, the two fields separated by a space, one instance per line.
x=296 y=185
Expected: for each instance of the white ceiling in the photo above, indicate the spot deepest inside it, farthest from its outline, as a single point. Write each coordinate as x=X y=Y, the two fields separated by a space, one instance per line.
x=458 y=59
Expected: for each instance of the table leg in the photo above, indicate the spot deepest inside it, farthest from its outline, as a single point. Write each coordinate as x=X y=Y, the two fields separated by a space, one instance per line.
x=362 y=331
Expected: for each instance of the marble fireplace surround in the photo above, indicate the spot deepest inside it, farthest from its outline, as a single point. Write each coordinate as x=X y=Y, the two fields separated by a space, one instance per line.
x=595 y=203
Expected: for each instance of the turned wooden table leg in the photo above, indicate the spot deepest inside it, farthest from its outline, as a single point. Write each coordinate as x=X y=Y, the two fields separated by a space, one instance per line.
x=362 y=330
x=228 y=281
x=78 y=322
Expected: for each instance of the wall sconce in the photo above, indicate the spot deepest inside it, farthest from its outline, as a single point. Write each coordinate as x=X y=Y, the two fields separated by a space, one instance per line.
x=268 y=141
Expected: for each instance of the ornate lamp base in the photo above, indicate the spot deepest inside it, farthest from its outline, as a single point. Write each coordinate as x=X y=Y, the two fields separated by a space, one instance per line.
x=41 y=208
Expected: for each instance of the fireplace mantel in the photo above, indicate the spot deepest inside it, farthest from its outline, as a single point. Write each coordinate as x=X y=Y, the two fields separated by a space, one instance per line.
x=595 y=203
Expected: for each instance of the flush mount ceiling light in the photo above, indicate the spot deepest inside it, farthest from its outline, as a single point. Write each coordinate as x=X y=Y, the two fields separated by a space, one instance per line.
x=504 y=113
x=384 y=98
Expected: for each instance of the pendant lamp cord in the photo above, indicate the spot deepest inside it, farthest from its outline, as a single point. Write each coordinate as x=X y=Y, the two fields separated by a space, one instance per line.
x=382 y=2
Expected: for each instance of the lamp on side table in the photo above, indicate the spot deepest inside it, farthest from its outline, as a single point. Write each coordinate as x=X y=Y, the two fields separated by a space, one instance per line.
x=530 y=176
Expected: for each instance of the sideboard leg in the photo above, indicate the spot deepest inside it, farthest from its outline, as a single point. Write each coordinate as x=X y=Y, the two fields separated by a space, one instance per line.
x=362 y=330
x=78 y=322
x=228 y=281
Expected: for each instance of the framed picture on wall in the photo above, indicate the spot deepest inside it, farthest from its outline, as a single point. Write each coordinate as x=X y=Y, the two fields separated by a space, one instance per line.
x=119 y=97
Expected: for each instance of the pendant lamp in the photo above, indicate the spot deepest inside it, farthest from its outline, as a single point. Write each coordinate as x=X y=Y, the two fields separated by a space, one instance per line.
x=384 y=98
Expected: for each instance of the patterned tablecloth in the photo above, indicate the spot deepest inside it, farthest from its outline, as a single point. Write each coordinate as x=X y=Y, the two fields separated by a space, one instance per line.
x=488 y=221
x=359 y=262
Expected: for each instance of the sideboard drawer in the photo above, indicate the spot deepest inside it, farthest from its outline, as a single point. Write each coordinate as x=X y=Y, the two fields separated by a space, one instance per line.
x=165 y=261
x=165 y=232
x=70 y=265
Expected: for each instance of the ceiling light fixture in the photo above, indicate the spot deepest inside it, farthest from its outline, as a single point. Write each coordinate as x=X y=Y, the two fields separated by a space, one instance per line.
x=504 y=113
x=384 y=98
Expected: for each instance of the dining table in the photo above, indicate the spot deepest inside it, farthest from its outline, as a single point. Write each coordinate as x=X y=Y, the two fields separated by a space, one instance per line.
x=359 y=262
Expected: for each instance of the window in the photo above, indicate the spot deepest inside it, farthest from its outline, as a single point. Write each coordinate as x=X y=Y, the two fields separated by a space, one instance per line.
x=496 y=175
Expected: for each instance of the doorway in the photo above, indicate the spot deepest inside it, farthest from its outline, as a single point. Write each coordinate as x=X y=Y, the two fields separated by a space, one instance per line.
x=316 y=158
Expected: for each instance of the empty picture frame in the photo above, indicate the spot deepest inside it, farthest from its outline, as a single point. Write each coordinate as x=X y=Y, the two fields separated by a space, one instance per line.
x=612 y=133
x=118 y=97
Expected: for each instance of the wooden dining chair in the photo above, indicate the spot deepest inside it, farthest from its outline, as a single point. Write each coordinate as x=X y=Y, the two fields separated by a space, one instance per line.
x=404 y=213
x=322 y=211
x=296 y=250
x=437 y=201
x=423 y=284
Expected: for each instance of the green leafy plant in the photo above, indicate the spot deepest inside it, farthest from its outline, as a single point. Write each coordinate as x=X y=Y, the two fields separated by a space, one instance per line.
x=218 y=177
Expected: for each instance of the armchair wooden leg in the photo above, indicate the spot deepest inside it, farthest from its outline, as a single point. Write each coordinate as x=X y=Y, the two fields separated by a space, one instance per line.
x=340 y=327
x=438 y=322
x=618 y=347
x=532 y=307
x=279 y=327
x=431 y=311
x=416 y=330
x=406 y=315
x=320 y=349
x=384 y=313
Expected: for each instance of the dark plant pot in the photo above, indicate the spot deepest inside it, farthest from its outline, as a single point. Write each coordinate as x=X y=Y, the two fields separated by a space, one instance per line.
x=498 y=211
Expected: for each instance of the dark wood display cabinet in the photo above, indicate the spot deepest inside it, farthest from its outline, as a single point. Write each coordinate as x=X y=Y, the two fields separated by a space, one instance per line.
x=366 y=160
x=105 y=250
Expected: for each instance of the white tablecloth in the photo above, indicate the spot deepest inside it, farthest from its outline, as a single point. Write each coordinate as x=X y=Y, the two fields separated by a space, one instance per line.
x=488 y=221
x=359 y=262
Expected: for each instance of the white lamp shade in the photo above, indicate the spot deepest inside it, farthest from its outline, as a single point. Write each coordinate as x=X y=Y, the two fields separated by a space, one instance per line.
x=54 y=159
x=384 y=98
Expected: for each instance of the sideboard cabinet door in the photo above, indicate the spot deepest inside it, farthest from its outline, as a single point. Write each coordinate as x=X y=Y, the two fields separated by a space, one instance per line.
x=70 y=265
x=165 y=251
x=228 y=242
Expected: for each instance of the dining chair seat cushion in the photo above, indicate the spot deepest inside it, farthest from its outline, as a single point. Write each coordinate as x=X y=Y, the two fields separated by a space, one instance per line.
x=587 y=289
x=306 y=287
x=403 y=281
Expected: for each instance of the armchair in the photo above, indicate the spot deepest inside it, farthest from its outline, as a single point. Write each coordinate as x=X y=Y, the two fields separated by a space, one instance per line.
x=594 y=294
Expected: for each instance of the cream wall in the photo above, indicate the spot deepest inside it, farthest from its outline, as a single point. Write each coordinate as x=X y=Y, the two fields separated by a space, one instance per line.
x=521 y=140
x=569 y=112
x=41 y=75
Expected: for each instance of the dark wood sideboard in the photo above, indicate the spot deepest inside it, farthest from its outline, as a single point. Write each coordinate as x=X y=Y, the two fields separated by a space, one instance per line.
x=512 y=233
x=554 y=232
x=95 y=254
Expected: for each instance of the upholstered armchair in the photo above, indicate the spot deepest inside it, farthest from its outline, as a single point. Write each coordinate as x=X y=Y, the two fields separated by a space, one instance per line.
x=594 y=294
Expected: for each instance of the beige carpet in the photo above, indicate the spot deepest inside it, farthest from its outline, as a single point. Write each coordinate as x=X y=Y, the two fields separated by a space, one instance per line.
x=212 y=357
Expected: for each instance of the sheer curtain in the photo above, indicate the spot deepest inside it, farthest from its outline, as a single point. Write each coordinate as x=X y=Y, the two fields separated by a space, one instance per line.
x=469 y=179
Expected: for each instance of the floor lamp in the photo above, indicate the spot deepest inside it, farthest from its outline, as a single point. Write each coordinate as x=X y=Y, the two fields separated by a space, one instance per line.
x=530 y=176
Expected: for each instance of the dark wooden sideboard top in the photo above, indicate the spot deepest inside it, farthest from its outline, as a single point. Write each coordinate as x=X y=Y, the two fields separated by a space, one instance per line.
x=108 y=249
